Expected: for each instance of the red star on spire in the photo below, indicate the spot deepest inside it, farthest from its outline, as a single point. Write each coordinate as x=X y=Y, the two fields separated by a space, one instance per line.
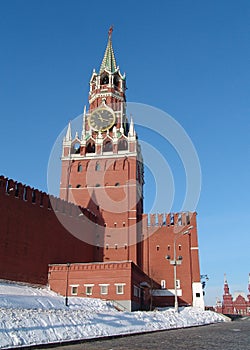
x=110 y=31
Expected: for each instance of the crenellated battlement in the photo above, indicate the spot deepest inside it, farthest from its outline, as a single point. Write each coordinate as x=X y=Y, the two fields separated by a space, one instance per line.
x=19 y=191
x=169 y=219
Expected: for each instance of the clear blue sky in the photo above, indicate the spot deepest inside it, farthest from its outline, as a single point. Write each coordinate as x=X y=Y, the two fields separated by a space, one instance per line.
x=188 y=58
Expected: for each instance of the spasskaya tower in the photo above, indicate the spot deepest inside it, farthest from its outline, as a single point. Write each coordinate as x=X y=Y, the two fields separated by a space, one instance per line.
x=102 y=168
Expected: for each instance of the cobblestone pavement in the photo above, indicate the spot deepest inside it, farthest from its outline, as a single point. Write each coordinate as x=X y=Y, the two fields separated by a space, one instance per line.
x=224 y=336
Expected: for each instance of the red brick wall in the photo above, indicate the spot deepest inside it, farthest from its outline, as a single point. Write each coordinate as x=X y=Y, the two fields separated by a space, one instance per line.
x=31 y=235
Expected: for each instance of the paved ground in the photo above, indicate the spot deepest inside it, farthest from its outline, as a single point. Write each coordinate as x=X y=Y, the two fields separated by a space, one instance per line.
x=224 y=336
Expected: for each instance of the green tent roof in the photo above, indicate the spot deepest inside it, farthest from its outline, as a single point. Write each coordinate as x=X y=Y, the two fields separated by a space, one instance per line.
x=108 y=61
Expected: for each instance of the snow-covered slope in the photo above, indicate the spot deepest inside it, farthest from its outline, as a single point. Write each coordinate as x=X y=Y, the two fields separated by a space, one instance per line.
x=30 y=316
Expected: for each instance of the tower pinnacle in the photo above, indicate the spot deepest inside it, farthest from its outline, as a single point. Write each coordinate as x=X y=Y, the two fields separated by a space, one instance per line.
x=68 y=136
x=226 y=287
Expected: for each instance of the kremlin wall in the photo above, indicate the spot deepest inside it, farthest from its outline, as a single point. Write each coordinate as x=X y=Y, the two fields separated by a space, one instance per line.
x=32 y=236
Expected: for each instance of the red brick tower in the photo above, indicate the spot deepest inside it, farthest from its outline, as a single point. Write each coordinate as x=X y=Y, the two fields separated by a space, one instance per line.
x=102 y=169
x=227 y=298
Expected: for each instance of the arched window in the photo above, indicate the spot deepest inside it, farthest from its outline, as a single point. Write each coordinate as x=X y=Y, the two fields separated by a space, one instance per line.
x=108 y=146
x=105 y=80
x=122 y=145
x=97 y=166
x=90 y=147
x=78 y=186
x=93 y=83
x=116 y=81
x=79 y=168
x=76 y=148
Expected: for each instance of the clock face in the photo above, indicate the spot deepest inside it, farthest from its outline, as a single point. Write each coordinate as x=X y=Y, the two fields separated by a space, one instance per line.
x=101 y=119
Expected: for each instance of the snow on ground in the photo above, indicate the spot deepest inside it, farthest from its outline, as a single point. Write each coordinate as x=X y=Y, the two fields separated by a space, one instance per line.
x=30 y=316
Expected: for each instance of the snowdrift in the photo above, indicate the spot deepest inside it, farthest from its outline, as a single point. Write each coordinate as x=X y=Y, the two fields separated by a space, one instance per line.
x=31 y=316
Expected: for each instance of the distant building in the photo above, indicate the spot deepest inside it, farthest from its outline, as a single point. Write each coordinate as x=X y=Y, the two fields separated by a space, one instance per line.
x=239 y=304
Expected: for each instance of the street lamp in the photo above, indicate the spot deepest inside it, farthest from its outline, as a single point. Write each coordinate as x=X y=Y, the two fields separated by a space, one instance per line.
x=67 y=284
x=177 y=261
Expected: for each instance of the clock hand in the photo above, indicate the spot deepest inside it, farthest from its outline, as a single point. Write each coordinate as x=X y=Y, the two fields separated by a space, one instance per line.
x=99 y=116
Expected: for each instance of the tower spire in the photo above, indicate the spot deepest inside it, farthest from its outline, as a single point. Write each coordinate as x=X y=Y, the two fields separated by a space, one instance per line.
x=109 y=62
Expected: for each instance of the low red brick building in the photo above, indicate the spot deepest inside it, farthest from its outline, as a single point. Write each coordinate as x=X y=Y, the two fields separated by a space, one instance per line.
x=239 y=304
x=121 y=282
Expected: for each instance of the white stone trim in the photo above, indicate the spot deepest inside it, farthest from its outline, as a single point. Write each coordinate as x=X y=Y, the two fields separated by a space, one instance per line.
x=100 y=156
x=105 y=94
x=194 y=248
